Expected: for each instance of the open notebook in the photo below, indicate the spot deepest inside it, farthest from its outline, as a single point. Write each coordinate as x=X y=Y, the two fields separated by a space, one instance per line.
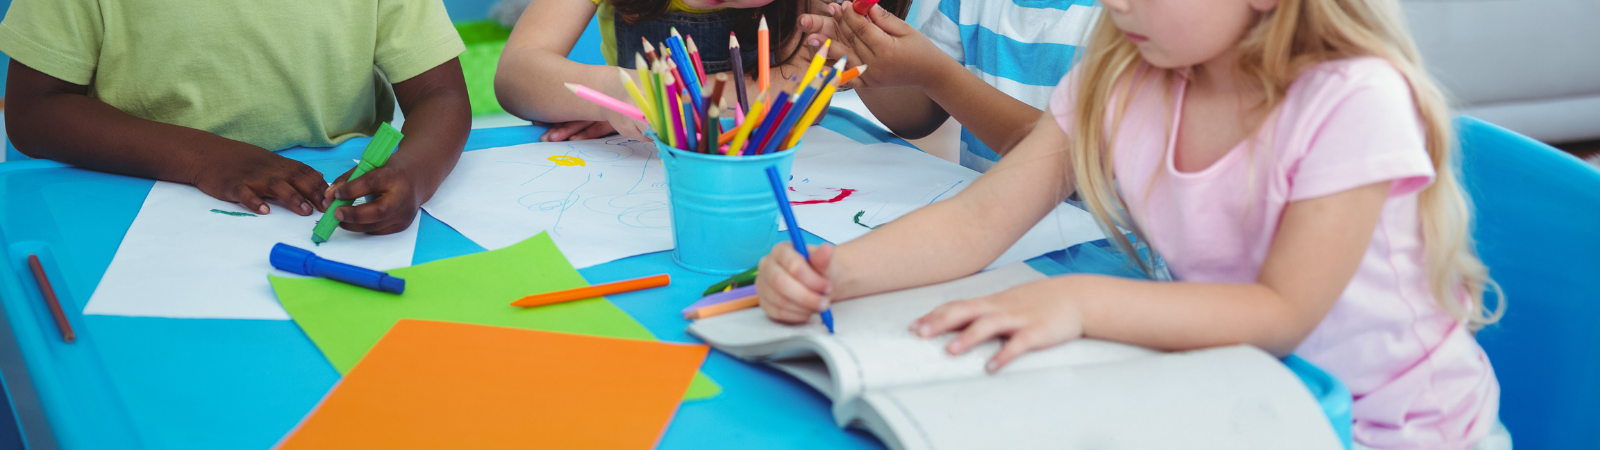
x=1085 y=394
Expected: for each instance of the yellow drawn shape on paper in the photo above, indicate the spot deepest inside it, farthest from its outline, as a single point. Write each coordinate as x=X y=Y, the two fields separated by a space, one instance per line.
x=563 y=160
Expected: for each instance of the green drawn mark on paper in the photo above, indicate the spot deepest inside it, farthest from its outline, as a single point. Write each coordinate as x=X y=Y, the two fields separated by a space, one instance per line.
x=233 y=213
x=858 y=221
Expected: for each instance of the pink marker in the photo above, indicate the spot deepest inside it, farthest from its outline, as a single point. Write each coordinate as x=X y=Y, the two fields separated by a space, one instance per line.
x=605 y=100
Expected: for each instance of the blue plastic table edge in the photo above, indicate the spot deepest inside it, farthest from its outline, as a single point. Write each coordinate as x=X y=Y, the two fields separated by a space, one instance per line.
x=36 y=427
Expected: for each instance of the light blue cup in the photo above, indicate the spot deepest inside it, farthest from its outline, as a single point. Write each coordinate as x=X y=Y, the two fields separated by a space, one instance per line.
x=724 y=216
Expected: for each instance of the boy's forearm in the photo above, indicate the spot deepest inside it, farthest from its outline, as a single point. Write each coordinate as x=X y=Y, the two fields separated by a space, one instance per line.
x=438 y=120
x=53 y=119
x=906 y=111
x=994 y=117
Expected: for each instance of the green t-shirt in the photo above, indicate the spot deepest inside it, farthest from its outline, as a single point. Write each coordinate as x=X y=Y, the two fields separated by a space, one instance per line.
x=276 y=74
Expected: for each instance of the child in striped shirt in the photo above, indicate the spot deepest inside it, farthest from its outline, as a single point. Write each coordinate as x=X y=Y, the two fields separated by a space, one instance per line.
x=1004 y=57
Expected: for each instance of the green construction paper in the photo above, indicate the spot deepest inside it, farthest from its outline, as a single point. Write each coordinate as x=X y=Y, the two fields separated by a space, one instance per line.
x=345 y=321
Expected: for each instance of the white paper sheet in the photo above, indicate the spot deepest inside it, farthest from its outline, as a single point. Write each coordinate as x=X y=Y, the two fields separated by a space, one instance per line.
x=181 y=259
x=601 y=200
x=840 y=194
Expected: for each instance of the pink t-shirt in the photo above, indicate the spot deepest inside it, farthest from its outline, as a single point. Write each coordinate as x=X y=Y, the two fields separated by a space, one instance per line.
x=1419 y=378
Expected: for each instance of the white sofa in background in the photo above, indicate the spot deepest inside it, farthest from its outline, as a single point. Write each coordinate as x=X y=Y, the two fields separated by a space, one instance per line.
x=1529 y=65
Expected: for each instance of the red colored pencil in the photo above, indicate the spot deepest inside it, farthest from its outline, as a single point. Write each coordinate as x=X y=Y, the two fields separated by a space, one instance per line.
x=50 y=299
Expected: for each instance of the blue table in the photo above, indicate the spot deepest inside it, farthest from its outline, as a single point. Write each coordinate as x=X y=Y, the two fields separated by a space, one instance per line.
x=137 y=382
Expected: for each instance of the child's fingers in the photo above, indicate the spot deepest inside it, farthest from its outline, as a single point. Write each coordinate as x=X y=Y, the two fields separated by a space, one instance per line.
x=287 y=194
x=948 y=317
x=1023 y=341
x=563 y=131
x=985 y=327
x=858 y=26
x=890 y=24
x=308 y=182
x=594 y=130
x=246 y=196
x=816 y=24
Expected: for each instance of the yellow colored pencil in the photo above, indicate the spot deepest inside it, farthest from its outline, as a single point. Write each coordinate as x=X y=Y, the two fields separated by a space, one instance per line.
x=750 y=120
x=816 y=65
x=633 y=91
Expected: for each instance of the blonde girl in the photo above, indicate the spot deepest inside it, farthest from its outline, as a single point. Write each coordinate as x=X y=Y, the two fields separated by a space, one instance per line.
x=1291 y=161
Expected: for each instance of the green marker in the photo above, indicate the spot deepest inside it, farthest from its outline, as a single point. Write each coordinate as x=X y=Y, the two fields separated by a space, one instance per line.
x=743 y=279
x=373 y=157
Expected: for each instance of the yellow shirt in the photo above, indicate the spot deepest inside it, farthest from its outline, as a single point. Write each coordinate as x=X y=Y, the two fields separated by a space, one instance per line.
x=275 y=74
x=606 y=15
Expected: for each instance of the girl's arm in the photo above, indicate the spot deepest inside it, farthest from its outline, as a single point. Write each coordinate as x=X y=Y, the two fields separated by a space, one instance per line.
x=1319 y=244
x=939 y=242
x=534 y=65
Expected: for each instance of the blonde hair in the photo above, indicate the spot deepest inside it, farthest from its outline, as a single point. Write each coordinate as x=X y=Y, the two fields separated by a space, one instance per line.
x=1295 y=36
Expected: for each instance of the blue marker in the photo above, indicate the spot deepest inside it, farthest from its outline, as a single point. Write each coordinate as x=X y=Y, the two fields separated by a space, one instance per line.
x=794 y=230
x=301 y=261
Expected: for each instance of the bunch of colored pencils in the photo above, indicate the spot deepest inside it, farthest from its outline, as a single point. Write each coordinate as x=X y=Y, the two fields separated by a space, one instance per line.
x=684 y=106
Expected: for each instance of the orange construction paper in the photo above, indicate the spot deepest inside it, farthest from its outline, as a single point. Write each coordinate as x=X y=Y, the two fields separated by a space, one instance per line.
x=434 y=384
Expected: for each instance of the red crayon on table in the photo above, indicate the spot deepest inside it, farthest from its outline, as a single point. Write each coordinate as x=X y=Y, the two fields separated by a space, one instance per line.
x=50 y=299
x=598 y=290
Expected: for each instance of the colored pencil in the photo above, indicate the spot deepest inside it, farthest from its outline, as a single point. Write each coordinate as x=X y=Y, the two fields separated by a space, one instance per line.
x=737 y=57
x=741 y=279
x=50 y=300
x=750 y=122
x=725 y=307
x=794 y=230
x=680 y=56
x=852 y=73
x=676 y=122
x=738 y=113
x=775 y=114
x=816 y=63
x=663 y=118
x=616 y=287
x=781 y=132
x=763 y=57
x=606 y=101
x=717 y=83
x=649 y=50
x=818 y=103
x=694 y=56
x=633 y=91
x=706 y=137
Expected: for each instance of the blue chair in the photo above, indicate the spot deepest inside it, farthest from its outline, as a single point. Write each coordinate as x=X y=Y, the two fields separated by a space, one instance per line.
x=1538 y=229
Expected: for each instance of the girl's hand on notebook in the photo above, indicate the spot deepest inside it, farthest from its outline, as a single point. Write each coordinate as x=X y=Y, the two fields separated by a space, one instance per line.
x=792 y=289
x=896 y=52
x=248 y=175
x=1028 y=317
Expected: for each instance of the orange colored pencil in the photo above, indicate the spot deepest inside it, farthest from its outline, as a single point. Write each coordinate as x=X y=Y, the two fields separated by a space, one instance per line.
x=598 y=290
x=763 y=57
x=723 y=308
x=852 y=73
